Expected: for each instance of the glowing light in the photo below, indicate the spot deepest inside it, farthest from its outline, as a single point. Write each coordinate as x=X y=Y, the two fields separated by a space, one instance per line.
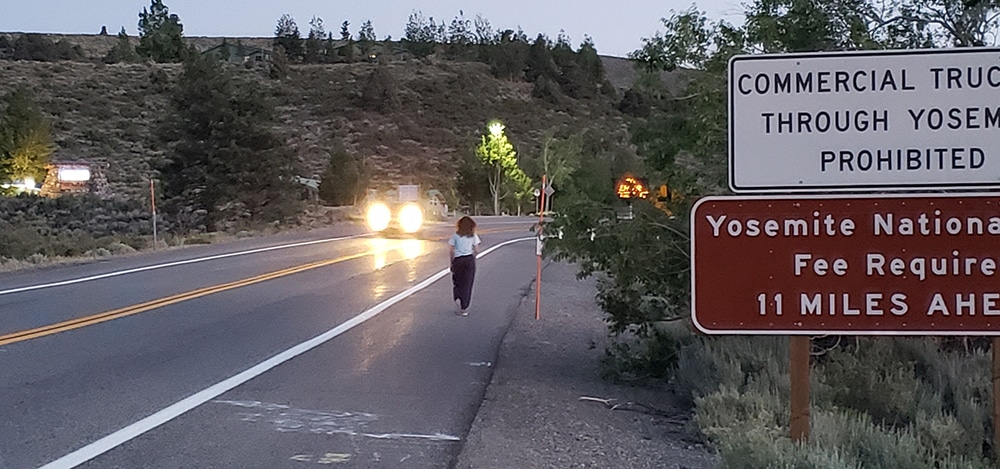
x=495 y=128
x=411 y=218
x=378 y=216
x=631 y=188
x=412 y=248
x=74 y=174
x=378 y=247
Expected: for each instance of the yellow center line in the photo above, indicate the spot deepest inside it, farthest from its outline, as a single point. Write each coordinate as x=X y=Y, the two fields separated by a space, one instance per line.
x=161 y=302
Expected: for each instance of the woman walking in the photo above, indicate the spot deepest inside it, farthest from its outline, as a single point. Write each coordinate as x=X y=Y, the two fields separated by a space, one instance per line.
x=463 y=246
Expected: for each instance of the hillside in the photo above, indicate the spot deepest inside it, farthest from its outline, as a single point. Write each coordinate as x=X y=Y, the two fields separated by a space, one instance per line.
x=107 y=114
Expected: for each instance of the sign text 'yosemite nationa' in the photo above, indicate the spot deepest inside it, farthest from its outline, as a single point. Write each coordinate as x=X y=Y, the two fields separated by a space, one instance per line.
x=915 y=264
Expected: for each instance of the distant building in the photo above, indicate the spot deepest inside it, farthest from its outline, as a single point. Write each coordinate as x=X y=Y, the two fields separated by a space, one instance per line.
x=238 y=53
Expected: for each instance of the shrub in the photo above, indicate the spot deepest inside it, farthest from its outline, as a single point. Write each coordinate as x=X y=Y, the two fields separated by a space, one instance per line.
x=876 y=403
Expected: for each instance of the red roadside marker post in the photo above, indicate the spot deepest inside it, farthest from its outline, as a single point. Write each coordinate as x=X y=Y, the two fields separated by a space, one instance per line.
x=538 y=250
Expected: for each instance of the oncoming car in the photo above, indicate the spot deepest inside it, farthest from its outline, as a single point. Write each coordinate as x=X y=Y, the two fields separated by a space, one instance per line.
x=395 y=211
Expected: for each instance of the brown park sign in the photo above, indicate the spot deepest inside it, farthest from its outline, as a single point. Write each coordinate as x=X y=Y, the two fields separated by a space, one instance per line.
x=904 y=265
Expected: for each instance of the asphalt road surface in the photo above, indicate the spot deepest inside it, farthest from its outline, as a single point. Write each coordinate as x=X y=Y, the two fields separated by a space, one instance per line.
x=333 y=347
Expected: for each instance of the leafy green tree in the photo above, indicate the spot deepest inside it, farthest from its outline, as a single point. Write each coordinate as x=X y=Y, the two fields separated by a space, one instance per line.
x=286 y=35
x=506 y=178
x=938 y=23
x=25 y=138
x=161 y=34
x=122 y=51
x=560 y=157
x=226 y=166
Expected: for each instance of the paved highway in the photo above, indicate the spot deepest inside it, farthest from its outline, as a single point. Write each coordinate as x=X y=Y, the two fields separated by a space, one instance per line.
x=298 y=351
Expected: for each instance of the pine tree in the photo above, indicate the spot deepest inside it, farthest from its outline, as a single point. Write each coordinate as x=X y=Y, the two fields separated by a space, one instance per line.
x=161 y=34
x=345 y=34
x=342 y=182
x=286 y=35
x=314 y=42
x=122 y=51
x=419 y=35
x=226 y=165
x=366 y=38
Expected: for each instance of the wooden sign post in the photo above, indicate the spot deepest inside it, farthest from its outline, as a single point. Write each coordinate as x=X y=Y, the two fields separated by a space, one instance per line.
x=855 y=265
x=798 y=356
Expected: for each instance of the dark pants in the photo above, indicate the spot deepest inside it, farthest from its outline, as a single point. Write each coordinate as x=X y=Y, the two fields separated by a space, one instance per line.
x=463 y=272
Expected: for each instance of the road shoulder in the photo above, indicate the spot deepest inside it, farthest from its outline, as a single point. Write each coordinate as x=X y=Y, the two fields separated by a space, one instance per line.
x=547 y=405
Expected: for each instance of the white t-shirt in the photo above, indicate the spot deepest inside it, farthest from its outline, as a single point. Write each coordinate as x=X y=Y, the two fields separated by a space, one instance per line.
x=464 y=245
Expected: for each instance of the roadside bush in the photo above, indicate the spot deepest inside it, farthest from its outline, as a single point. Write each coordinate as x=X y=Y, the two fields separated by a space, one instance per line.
x=876 y=403
x=70 y=226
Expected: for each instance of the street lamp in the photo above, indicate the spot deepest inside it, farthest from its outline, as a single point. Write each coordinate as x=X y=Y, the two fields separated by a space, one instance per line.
x=496 y=128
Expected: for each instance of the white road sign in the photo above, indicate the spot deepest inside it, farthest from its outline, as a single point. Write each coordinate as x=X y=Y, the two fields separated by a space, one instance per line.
x=857 y=121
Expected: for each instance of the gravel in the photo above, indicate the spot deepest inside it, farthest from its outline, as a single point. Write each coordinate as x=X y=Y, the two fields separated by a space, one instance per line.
x=547 y=405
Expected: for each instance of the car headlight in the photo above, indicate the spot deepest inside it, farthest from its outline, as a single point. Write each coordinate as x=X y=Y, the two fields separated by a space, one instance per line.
x=378 y=216
x=411 y=218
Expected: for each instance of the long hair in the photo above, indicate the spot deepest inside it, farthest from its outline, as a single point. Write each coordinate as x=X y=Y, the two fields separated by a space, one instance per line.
x=465 y=226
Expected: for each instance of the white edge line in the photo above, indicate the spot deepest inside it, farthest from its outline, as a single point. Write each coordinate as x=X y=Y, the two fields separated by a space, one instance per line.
x=173 y=264
x=175 y=410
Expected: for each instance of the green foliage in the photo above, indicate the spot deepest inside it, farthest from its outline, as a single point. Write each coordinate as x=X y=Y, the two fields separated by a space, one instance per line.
x=25 y=138
x=646 y=259
x=506 y=179
x=344 y=179
x=161 y=34
x=287 y=36
x=809 y=25
x=226 y=166
x=122 y=51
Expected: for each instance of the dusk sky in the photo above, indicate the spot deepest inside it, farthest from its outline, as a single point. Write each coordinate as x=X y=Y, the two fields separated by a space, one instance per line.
x=617 y=27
